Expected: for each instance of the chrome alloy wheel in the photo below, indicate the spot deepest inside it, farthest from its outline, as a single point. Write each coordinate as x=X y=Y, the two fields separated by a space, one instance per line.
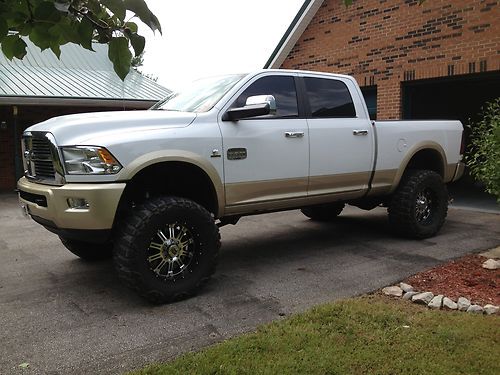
x=171 y=251
x=423 y=206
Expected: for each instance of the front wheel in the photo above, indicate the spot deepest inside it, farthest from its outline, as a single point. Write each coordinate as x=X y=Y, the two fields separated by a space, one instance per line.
x=419 y=205
x=90 y=252
x=167 y=249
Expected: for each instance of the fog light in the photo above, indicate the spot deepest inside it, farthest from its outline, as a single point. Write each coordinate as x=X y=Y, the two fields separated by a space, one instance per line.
x=78 y=203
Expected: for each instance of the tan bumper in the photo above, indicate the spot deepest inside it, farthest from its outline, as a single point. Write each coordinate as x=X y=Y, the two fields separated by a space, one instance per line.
x=102 y=201
x=459 y=171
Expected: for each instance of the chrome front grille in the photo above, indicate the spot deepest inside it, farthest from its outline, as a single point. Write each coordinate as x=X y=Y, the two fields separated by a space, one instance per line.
x=41 y=158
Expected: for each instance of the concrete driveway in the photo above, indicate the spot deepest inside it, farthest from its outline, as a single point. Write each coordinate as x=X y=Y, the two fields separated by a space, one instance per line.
x=62 y=315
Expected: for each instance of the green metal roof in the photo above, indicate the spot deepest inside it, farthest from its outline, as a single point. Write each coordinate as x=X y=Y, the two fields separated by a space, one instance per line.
x=78 y=74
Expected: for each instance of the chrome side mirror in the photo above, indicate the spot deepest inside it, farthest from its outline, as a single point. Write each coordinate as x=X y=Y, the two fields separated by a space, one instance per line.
x=263 y=99
x=255 y=106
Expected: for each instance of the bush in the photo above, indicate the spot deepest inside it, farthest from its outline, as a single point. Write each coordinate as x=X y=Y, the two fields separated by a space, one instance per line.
x=483 y=157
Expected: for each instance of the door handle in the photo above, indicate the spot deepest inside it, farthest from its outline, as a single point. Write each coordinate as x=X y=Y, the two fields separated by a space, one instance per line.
x=360 y=132
x=294 y=134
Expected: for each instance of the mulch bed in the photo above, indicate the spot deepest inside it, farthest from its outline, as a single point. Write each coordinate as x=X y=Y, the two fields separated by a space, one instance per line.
x=463 y=277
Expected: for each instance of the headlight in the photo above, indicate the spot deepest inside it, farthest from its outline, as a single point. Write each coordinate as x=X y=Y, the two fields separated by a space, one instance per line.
x=89 y=160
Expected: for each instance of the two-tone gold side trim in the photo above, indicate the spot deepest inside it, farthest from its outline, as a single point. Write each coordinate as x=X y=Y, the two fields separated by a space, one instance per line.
x=332 y=184
x=271 y=195
x=258 y=191
x=382 y=182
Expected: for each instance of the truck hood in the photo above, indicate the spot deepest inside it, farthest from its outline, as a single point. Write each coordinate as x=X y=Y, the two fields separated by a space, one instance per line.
x=81 y=129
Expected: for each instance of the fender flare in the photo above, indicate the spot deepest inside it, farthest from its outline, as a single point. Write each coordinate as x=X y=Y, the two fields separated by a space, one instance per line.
x=157 y=157
x=425 y=145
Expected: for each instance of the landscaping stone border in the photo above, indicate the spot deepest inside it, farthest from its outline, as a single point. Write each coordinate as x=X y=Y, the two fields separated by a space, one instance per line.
x=407 y=292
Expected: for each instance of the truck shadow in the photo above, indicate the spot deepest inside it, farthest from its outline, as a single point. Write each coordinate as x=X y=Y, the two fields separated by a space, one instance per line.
x=246 y=246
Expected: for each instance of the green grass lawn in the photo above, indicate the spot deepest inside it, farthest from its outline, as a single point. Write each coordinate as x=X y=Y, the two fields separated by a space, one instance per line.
x=366 y=335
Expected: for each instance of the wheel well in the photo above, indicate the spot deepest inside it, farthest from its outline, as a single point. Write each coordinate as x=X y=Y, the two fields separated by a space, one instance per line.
x=179 y=179
x=427 y=159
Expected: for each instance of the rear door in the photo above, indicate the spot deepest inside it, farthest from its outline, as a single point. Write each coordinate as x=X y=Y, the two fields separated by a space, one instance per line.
x=341 y=140
x=266 y=158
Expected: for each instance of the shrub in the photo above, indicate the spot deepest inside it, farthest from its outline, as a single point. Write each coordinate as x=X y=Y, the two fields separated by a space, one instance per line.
x=483 y=157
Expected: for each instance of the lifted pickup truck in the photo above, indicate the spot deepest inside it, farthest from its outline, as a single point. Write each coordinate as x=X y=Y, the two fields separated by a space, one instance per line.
x=151 y=188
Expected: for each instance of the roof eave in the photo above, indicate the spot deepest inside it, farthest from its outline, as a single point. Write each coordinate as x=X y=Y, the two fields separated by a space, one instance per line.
x=79 y=102
x=293 y=33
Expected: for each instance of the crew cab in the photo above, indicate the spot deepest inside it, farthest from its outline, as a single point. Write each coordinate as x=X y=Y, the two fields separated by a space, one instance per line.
x=151 y=188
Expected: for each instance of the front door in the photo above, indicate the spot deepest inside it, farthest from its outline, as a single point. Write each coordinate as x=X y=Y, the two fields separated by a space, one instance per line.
x=266 y=158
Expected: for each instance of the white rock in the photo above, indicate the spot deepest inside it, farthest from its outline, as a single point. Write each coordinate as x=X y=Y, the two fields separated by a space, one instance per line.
x=492 y=264
x=436 y=302
x=406 y=287
x=408 y=295
x=449 y=304
x=476 y=309
x=393 y=291
x=423 y=298
x=491 y=309
x=463 y=304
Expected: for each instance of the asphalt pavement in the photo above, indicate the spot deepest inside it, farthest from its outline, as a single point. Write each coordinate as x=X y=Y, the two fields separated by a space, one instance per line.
x=61 y=315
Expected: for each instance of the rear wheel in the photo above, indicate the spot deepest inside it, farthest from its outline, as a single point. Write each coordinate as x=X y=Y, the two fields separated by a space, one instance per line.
x=88 y=251
x=419 y=206
x=167 y=249
x=326 y=212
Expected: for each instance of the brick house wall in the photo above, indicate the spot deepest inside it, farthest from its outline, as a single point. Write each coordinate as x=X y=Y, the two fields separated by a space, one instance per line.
x=386 y=42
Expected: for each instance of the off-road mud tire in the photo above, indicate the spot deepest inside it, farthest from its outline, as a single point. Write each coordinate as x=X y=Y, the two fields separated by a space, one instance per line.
x=403 y=209
x=134 y=237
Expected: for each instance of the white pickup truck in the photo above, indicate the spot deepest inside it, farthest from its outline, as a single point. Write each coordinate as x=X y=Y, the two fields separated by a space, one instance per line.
x=151 y=188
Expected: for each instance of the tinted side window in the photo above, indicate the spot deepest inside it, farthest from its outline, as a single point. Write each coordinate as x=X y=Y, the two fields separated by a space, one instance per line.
x=329 y=98
x=283 y=90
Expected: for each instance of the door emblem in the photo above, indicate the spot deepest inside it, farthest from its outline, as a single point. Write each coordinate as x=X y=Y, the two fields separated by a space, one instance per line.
x=236 y=153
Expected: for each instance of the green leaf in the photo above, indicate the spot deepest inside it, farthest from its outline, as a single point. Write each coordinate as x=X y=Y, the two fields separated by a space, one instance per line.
x=16 y=19
x=141 y=10
x=85 y=33
x=56 y=48
x=40 y=36
x=64 y=32
x=132 y=26
x=13 y=46
x=24 y=365
x=138 y=42
x=117 y=7
x=46 y=11
x=120 y=56
x=26 y=29
x=4 y=28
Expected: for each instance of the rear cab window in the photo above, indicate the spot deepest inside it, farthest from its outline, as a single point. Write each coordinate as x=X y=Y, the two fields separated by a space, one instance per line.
x=329 y=98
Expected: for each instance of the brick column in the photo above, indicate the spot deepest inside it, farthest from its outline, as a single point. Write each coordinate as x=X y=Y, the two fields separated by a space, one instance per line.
x=389 y=100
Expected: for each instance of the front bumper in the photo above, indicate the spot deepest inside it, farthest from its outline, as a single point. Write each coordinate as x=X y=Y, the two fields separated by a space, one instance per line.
x=48 y=205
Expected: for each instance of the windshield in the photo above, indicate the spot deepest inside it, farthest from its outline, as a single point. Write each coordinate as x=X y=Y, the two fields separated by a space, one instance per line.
x=200 y=96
